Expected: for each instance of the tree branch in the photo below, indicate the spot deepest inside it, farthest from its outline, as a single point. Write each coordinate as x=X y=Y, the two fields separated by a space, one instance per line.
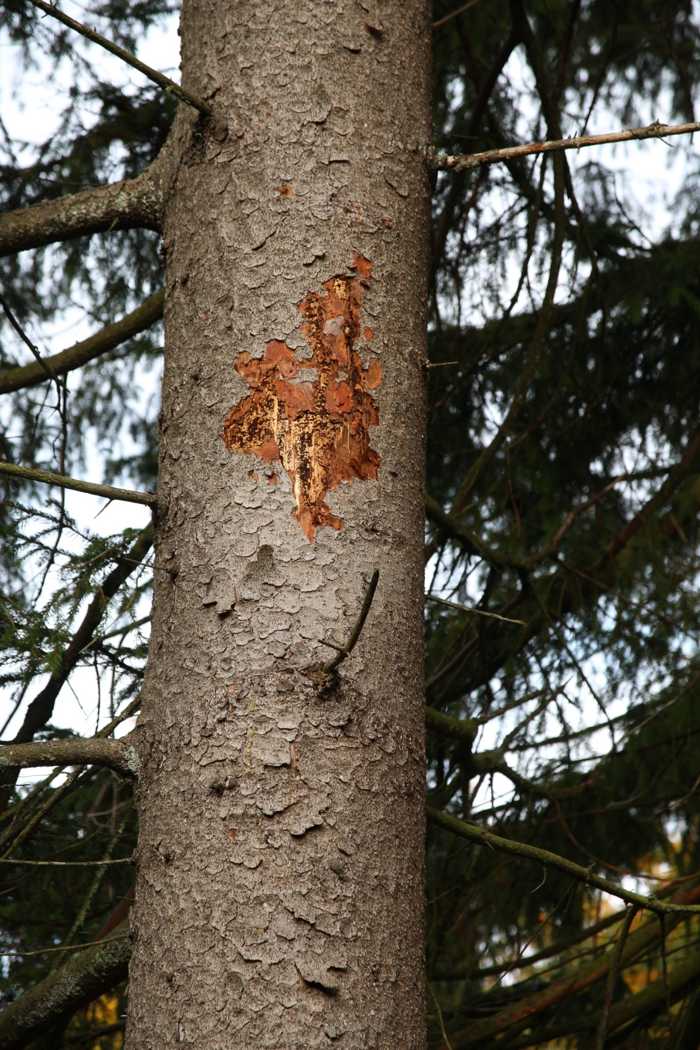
x=109 y=337
x=9 y=840
x=684 y=466
x=126 y=205
x=657 y=996
x=524 y=1012
x=553 y=860
x=566 y=591
x=47 y=477
x=131 y=60
x=86 y=975
x=468 y=540
x=633 y=1010
x=75 y=751
x=463 y=730
x=489 y=762
x=462 y=162
x=41 y=708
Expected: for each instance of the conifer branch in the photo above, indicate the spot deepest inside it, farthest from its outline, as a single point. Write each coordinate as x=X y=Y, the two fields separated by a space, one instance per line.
x=490 y=762
x=40 y=364
x=21 y=812
x=464 y=161
x=108 y=338
x=41 y=708
x=462 y=730
x=74 y=751
x=48 y=477
x=84 y=977
x=638 y=1008
x=483 y=837
x=525 y=1011
x=657 y=996
x=131 y=60
x=126 y=205
x=685 y=465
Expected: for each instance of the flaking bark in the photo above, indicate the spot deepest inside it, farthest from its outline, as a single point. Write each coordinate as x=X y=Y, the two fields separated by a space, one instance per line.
x=280 y=887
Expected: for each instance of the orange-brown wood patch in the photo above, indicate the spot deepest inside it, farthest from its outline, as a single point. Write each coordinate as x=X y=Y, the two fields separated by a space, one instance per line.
x=313 y=414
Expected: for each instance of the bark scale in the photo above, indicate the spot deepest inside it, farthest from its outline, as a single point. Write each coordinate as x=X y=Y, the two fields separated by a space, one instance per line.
x=279 y=894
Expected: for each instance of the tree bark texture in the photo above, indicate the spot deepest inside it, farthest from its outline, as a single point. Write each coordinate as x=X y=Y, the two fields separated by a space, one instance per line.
x=280 y=865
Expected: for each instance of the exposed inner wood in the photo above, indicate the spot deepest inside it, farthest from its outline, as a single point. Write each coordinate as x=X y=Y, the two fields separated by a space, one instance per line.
x=313 y=414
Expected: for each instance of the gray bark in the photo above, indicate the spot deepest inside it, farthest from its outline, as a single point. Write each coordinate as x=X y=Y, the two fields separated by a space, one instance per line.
x=279 y=892
x=77 y=750
x=125 y=205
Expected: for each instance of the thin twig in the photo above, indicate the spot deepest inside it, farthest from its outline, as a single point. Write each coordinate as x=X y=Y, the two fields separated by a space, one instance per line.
x=67 y=863
x=613 y=975
x=65 y=947
x=441 y=1020
x=158 y=78
x=43 y=365
x=472 y=610
x=453 y=14
x=108 y=338
x=357 y=629
x=464 y=161
x=48 y=477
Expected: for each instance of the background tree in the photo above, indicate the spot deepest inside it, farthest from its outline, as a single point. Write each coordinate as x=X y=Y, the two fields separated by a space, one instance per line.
x=563 y=490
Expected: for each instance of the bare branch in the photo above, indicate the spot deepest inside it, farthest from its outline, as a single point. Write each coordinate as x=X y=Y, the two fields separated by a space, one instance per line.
x=109 y=337
x=656 y=996
x=453 y=14
x=525 y=1011
x=158 y=78
x=483 y=837
x=463 y=730
x=44 y=369
x=23 y=862
x=126 y=205
x=20 y=809
x=41 y=708
x=462 y=162
x=471 y=610
x=613 y=978
x=86 y=975
x=47 y=477
x=639 y=1008
x=470 y=542
x=75 y=751
x=345 y=650
x=489 y=762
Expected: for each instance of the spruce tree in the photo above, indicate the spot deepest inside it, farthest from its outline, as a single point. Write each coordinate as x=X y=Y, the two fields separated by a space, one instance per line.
x=271 y=201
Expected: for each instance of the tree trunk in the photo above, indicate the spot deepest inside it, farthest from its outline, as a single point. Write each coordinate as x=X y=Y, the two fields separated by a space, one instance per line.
x=280 y=865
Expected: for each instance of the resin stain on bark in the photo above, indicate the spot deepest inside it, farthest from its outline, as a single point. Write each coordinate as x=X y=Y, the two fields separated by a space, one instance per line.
x=313 y=414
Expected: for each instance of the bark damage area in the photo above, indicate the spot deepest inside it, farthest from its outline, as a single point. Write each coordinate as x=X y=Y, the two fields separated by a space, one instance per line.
x=313 y=413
